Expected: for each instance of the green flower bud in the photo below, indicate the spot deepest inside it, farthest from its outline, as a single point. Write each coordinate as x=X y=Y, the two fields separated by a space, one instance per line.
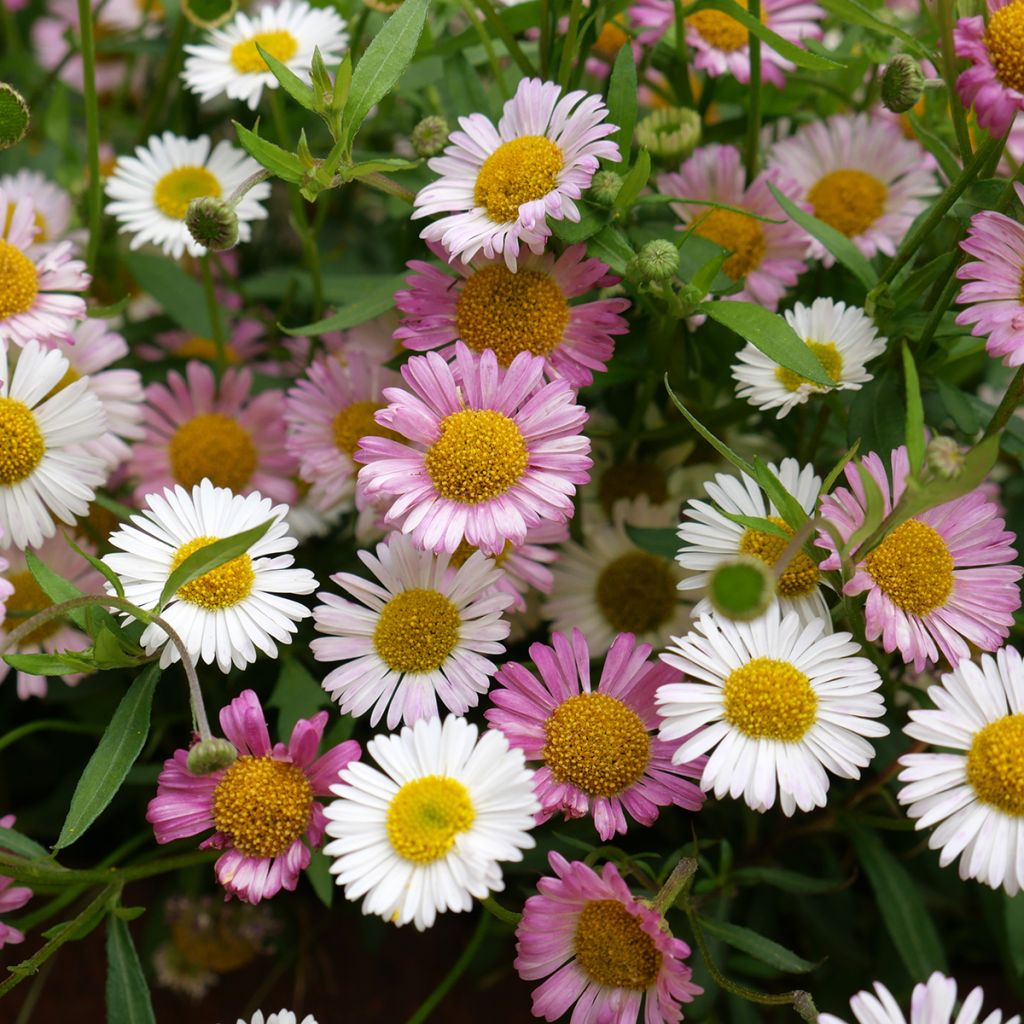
x=209 y=756
x=945 y=457
x=604 y=189
x=14 y=116
x=429 y=136
x=672 y=132
x=741 y=588
x=656 y=261
x=902 y=83
x=212 y=222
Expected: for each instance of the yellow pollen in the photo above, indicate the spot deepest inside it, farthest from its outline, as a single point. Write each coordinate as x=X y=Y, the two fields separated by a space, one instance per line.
x=479 y=455
x=596 y=743
x=417 y=630
x=913 y=567
x=636 y=592
x=41 y=235
x=517 y=172
x=613 y=949
x=740 y=234
x=21 y=441
x=721 y=31
x=995 y=764
x=222 y=587
x=264 y=805
x=828 y=356
x=511 y=313
x=849 y=200
x=27 y=600
x=355 y=422
x=802 y=575
x=280 y=44
x=1004 y=40
x=631 y=480
x=177 y=188
x=426 y=815
x=212 y=445
x=610 y=40
x=19 y=281
x=770 y=699
x=198 y=347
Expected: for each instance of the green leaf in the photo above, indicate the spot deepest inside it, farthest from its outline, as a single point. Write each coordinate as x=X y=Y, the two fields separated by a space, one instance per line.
x=770 y=333
x=179 y=295
x=899 y=902
x=290 y=82
x=854 y=13
x=342 y=84
x=128 y=999
x=55 y=587
x=959 y=407
x=658 y=540
x=720 y=446
x=320 y=877
x=15 y=842
x=874 y=511
x=871 y=415
x=296 y=695
x=118 y=748
x=592 y=220
x=611 y=246
x=51 y=664
x=758 y=946
x=287 y=166
x=835 y=241
x=99 y=565
x=705 y=277
x=915 y=413
x=1014 y=916
x=757 y=523
x=634 y=182
x=622 y=91
x=787 y=881
x=833 y=473
x=376 y=299
x=788 y=507
x=947 y=159
x=380 y=67
x=110 y=311
x=112 y=649
x=210 y=557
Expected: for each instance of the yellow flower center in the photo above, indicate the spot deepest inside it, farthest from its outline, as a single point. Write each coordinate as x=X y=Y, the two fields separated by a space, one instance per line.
x=517 y=172
x=511 y=313
x=263 y=805
x=995 y=764
x=219 y=588
x=721 y=31
x=198 y=347
x=426 y=815
x=613 y=949
x=417 y=630
x=355 y=422
x=19 y=281
x=1004 y=40
x=828 y=356
x=596 y=743
x=630 y=480
x=280 y=44
x=479 y=455
x=913 y=567
x=212 y=445
x=770 y=699
x=21 y=441
x=42 y=233
x=636 y=592
x=740 y=234
x=27 y=600
x=802 y=575
x=850 y=201
x=177 y=188
x=610 y=40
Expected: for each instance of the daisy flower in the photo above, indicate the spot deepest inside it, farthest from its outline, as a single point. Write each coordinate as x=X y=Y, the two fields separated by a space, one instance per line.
x=844 y=339
x=767 y=257
x=710 y=538
x=52 y=205
x=284 y=1017
x=600 y=949
x=992 y=293
x=598 y=755
x=974 y=792
x=150 y=191
x=261 y=807
x=45 y=472
x=777 y=701
x=994 y=83
x=933 y=1002
x=938 y=581
x=12 y=897
x=197 y=428
x=426 y=831
x=493 y=451
x=422 y=632
x=36 y=282
x=228 y=613
x=227 y=62
x=498 y=186
x=243 y=345
x=861 y=176
x=489 y=306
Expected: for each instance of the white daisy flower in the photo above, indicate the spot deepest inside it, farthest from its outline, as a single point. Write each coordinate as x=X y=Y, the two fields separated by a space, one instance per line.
x=710 y=538
x=427 y=832
x=498 y=186
x=45 y=472
x=151 y=190
x=776 y=702
x=421 y=633
x=974 y=793
x=52 y=205
x=228 y=63
x=843 y=338
x=228 y=613
x=281 y=1017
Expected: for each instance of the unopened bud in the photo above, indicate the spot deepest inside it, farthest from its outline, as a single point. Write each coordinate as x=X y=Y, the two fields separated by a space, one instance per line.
x=209 y=756
x=658 y=260
x=945 y=457
x=672 y=132
x=741 y=588
x=213 y=223
x=604 y=189
x=14 y=116
x=902 y=83
x=429 y=136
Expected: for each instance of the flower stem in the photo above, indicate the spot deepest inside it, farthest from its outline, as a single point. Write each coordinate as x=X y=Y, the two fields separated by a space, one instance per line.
x=46 y=725
x=92 y=130
x=514 y=49
x=944 y=13
x=753 y=146
x=213 y=312
x=1007 y=407
x=681 y=877
x=490 y=904
x=488 y=45
x=383 y=183
x=254 y=179
x=683 y=89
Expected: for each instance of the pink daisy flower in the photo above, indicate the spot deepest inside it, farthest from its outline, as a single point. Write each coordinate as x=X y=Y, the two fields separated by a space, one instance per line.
x=52 y=204
x=598 y=752
x=768 y=258
x=242 y=347
x=601 y=950
x=994 y=83
x=489 y=306
x=12 y=897
x=499 y=186
x=993 y=290
x=938 y=581
x=261 y=807
x=196 y=429
x=493 y=451
x=36 y=281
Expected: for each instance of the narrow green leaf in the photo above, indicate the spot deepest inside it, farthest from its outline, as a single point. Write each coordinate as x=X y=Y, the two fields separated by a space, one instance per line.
x=178 y=295
x=1014 y=916
x=112 y=649
x=787 y=506
x=342 y=83
x=110 y=311
x=51 y=664
x=612 y=246
x=287 y=166
x=634 y=182
x=622 y=104
x=128 y=1000
x=592 y=220
x=99 y=565
x=720 y=446
x=757 y=523
x=758 y=946
x=947 y=159
x=787 y=881
x=874 y=511
x=959 y=407
x=705 y=277
x=854 y=13
x=658 y=540
x=320 y=877
x=296 y=695
x=833 y=473
x=915 y=413
x=376 y=299
x=15 y=842
x=55 y=587
x=290 y=82
x=118 y=748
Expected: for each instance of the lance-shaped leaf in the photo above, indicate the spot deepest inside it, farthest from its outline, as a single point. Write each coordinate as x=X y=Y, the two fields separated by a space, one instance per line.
x=290 y=82
x=622 y=104
x=128 y=1000
x=287 y=166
